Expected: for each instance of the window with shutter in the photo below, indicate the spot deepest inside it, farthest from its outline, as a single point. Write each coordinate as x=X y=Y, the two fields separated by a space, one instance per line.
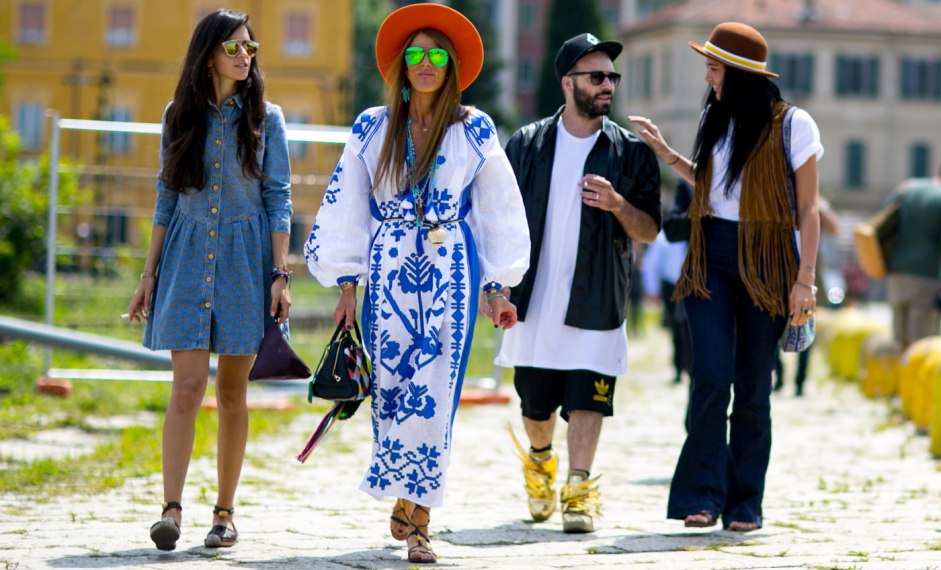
x=121 y=32
x=32 y=24
x=297 y=34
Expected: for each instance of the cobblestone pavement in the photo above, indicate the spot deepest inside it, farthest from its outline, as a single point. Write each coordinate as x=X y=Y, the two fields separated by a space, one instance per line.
x=850 y=486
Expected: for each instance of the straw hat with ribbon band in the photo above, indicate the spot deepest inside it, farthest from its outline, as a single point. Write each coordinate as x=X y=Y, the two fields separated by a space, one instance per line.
x=399 y=25
x=737 y=45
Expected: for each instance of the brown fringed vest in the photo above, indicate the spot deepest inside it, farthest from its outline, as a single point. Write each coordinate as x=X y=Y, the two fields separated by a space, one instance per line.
x=766 y=259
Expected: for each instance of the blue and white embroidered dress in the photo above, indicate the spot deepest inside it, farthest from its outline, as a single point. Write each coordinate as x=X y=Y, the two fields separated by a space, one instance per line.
x=421 y=298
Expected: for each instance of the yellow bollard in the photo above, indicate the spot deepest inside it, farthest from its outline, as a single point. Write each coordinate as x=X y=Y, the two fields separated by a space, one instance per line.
x=850 y=331
x=935 y=428
x=880 y=367
x=910 y=365
x=923 y=399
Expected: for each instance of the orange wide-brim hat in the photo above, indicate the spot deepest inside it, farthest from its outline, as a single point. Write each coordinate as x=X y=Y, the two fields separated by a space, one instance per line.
x=399 y=25
x=738 y=45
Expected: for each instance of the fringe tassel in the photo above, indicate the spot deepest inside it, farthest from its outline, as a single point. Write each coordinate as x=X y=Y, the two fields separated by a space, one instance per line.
x=767 y=261
x=692 y=279
x=766 y=257
x=320 y=434
x=767 y=265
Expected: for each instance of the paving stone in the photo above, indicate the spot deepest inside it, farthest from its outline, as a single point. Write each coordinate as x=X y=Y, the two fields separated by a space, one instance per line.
x=850 y=486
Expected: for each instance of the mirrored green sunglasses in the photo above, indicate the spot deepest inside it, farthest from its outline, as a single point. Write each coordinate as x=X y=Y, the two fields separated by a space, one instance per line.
x=231 y=47
x=437 y=56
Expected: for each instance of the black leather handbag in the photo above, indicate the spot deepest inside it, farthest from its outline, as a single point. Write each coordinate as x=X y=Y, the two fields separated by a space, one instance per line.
x=344 y=372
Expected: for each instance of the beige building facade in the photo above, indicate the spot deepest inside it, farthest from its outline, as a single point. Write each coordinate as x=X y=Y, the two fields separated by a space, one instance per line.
x=869 y=73
x=121 y=59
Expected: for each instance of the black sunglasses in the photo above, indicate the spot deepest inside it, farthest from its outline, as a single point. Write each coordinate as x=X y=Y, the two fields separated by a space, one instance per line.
x=598 y=77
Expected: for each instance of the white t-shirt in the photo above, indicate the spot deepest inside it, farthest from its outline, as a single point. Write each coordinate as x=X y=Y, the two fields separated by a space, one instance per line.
x=543 y=340
x=805 y=142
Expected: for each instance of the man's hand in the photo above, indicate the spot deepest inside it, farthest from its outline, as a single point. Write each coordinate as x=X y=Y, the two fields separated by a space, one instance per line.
x=597 y=192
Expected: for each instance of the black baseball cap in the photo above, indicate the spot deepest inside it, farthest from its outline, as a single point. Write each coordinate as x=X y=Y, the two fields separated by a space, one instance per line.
x=576 y=48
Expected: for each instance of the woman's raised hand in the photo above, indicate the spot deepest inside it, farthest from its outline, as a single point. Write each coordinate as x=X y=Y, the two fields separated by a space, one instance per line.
x=651 y=134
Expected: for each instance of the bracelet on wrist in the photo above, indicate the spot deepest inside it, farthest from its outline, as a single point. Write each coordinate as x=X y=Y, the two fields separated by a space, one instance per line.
x=813 y=288
x=347 y=285
x=675 y=160
x=147 y=275
x=279 y=272
x=495 y=295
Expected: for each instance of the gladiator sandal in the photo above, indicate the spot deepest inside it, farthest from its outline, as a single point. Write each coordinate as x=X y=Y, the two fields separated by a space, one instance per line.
x=421 y=552
x=398 y=520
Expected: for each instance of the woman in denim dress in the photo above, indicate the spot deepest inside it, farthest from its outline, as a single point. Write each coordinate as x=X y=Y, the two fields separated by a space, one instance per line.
x=221 y=223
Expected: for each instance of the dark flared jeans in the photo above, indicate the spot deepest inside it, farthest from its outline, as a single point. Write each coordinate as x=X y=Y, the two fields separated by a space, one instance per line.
x=734 y=345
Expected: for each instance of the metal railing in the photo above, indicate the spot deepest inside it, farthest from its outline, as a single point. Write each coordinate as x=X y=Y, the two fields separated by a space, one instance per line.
x=56 y=337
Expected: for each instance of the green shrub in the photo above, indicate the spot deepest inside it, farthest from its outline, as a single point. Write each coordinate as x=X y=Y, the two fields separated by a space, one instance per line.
x=24 y=202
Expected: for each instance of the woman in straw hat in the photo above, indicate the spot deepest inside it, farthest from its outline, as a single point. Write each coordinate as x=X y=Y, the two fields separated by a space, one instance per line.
x=745 y=272
x=423 y=210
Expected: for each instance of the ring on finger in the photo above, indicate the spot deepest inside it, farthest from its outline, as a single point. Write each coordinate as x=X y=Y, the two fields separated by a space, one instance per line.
x=808 y=311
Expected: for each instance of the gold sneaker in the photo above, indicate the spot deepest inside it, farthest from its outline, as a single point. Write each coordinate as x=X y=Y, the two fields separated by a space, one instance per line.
x=539 y=477
x=581 y=503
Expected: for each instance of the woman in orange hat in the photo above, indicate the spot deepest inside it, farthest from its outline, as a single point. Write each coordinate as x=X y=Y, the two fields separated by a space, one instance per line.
x=423 y=210
x=754 y=167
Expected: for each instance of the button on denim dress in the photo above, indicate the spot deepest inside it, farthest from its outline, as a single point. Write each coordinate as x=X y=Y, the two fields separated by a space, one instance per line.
x=213 y=286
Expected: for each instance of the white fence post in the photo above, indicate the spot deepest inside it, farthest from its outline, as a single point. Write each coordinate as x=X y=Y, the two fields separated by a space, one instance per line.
x=51 y=231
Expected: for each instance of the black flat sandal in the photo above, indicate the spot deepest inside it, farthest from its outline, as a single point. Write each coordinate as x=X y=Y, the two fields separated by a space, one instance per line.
x=221 y=535
x=166 y=531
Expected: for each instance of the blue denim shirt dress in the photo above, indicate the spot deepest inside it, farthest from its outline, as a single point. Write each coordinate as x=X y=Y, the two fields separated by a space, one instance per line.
x=213 y=285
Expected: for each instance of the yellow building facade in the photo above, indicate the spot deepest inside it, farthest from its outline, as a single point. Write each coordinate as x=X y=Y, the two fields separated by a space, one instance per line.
x=121 y=59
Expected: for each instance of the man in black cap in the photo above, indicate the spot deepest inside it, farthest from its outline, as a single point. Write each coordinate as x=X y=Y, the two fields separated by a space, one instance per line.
x=589 y=188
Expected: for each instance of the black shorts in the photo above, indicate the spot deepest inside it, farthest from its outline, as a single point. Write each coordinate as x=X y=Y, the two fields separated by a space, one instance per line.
x=542 y=391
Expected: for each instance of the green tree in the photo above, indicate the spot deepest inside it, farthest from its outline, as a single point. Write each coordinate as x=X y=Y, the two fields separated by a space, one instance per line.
x=7 y=53
x=483 y=93
x=567 y=18
x=367 y=81
x=24 y=201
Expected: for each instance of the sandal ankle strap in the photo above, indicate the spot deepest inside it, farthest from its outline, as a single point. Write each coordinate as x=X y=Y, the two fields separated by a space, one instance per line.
x=417 y=532
x=171 y=505
x=223 y=512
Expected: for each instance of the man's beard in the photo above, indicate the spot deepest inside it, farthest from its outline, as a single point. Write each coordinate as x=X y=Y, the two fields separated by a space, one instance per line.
x=588 y=106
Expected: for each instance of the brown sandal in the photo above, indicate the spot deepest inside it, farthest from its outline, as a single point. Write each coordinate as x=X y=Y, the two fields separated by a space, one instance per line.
x=398 y=512
x=710 y=520
x=742 y=526
x=421 y=552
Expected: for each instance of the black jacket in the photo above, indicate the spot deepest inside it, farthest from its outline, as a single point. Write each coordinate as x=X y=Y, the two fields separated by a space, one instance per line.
x=602 y=269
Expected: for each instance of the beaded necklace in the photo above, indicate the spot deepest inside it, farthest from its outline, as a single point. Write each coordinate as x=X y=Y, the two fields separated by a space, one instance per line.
x=420 y=192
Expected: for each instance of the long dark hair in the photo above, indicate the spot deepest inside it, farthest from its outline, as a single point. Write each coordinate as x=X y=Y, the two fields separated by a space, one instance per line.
x=186 y=123
x=448 y=109
x=747 y=103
